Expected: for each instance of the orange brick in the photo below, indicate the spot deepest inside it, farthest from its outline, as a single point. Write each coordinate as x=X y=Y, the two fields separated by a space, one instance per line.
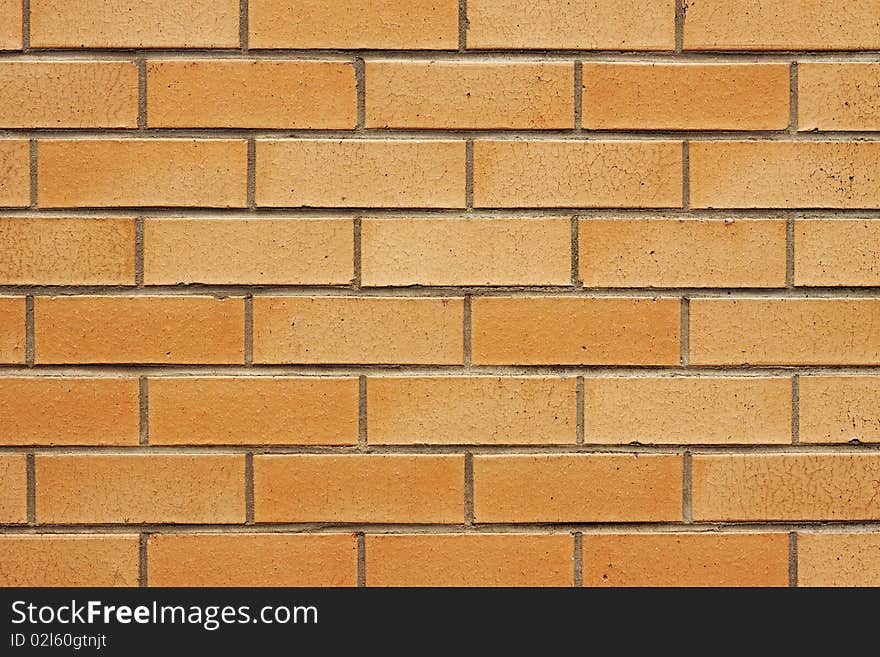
x=754 y=487
x=158 y=330
x=569 y=173
x=10 y=24
x=685 y=96
x=469 y=95
x=253 y=411
x=15 y=176
x=469 y=560
x=69 y=94
x=252 y=560
x=564 y=25
x=359 y=330
x=116 y=488
x=572 y=331
x=142 y=172
x=682 y=411
x=780 y=25
x=56 y=251
x=251 y=94
x=837 y=252
x=839 y=559
x=380 y=488
x=69 y=560
x=13 y=489
x=248 y=251
x=360 y=173
x=12 y=328
x=839 y=409
x=671 y=252
x=838 y=96
x=69 y=411
x=577 y=488
x=466 y=251
x=686 y=560
x=471 y=410
x=388 y=24
x=783 y=331
x=778 y=174
x=134 y=24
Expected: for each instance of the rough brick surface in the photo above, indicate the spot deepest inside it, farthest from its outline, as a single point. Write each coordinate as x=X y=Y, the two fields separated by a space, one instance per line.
x=469 y=560
x=59 y=251
x=252 y=560
x=253 y=411
x=686 y=560
x=685 y=411
x=439 y=292
x=685 y=96
x=69 y=560
x=69 y=411
x=470 y=410
x=391 y=488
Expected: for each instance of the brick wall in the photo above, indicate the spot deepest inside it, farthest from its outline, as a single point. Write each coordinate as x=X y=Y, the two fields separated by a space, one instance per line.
x=374 y=292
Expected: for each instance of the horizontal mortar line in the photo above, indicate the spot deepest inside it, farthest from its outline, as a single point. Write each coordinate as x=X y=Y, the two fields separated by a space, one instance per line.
x=434 y=292
x=472 y=54
x=819 y=526
x=353 y=371
x=440 y=213
x=438 y=134
x=571 y=449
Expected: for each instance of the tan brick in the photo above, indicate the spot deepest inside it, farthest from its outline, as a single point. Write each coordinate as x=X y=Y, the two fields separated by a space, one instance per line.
x=839 y=409
x=253 y=411
x=13 y=489
x=687 y=411
x=783 y=331
x=69 y=94
x=780 y=25
x=679 y=252
x=569 y=173
x=777 y=174
x=10 y=24
x=12 y=328
x=360 y=173
x=469 y=95
x=159 y=330
x=15 y=175
x=359 y=330
x=378 y=488
x=471 y=410
x=469 y=560
x=289 y=251
x=577 y=488
x=388 y=24
x=69 y=411
x=838 y=96
x=572 y=331
x=685 y=96
x=815 y=486
x=56 y=251
x=564 y=25
x=142 y=172
x=69 y=560
x=838 y=559
x=466 y=251
x=134 y=24
x=116 y=488
x=837 y=252
x=686 y=560
x=251 y=94
x=252 y=560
